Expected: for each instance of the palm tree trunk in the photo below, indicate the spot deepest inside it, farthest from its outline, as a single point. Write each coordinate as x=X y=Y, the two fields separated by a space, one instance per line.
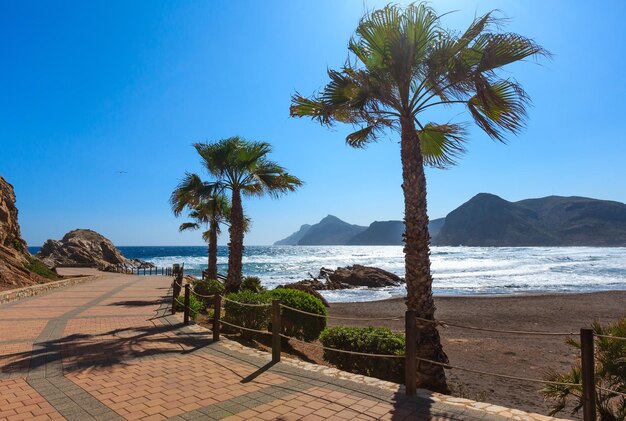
x=417 y=260
x=235 y=247
x=212 y=268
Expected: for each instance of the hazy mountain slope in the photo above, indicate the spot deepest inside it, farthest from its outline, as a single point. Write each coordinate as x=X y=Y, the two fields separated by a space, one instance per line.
x=380 y=233
x=293 y=239
x=488 y=220
x=330 y=231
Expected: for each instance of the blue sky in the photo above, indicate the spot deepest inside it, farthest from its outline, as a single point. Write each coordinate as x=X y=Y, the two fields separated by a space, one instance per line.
x=92 y=88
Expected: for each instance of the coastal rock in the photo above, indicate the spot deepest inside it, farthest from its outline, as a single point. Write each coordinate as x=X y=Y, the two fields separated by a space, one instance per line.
x=10 y=235
x=85 y=248
x=347 y=278
x=15 y=261
x=361 y=276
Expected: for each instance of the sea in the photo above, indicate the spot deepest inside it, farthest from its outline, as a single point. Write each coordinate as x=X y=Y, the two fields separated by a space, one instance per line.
x=456 y=270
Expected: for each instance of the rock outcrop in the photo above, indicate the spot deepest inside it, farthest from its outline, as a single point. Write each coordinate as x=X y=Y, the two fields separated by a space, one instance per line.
x=85 y=248
x=10 y=235
x=349 y=277
x=15 y=261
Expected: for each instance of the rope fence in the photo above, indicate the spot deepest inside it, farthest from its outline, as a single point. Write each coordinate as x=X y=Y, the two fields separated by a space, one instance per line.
x=410 y=356
x=340 y=317
x=619 y=338
x=484 y=329
x=612 y=392
x=265 y=332
x=365 y=354
x=245 y=304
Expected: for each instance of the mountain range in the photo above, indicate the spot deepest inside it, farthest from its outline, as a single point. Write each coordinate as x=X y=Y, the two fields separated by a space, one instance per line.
x=488 y=220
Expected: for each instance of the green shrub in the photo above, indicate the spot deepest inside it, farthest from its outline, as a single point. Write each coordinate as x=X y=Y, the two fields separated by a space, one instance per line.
x=301 y=326
x=371 y=340
x=250 y=317
x=252 y=283
x=208 y=287
x=37 y=266
x=196 y=305
x=610 y=374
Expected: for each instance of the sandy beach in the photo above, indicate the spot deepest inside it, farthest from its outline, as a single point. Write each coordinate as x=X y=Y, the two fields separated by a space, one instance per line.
x=520 y=355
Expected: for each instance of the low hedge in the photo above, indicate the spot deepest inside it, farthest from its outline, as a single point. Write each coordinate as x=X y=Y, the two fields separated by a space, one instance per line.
x=250 y=317
x=371 y=340
x=293 y=323
x=301 y=326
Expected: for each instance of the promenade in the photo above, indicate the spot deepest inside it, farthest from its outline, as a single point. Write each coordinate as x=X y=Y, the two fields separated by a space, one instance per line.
x=109 y=349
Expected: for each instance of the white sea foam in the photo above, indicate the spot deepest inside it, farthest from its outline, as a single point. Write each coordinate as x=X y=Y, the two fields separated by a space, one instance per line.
x=456 y=270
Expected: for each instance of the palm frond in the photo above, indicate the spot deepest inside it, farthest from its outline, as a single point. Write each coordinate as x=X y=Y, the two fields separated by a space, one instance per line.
x=314 y=108
x=189 y=192
x=499 y=108
x=442 y=144
x=188 y=226
x=507 y=48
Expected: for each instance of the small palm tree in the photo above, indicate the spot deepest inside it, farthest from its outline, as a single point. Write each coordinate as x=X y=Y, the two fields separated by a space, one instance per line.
x=207 y=208
x=610 y=375
x=403 y=63
x=242 y=167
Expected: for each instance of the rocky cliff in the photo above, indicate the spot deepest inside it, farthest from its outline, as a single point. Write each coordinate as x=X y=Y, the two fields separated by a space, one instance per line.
x=10 y=235
x=16 y=264
x=84 y=248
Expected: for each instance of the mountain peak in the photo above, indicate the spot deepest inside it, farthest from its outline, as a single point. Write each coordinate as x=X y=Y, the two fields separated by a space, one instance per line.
x=330 y=218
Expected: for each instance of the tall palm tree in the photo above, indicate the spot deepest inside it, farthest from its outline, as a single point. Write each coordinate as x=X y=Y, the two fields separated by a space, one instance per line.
x=403 y=63
x=207 y=208
x=242 y=167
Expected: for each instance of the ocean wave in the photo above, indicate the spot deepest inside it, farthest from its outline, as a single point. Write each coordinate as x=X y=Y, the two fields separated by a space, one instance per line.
x=456 y=270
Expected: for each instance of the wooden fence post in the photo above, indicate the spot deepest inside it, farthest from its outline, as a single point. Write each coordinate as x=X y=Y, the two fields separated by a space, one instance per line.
x=217 y=310
x=276 y=331
x=410 y=353
x=186 y=314
x=588 y=375
x=174 y=295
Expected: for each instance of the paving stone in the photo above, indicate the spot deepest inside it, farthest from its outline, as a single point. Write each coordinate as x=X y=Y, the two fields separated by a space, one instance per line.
x=88 y=353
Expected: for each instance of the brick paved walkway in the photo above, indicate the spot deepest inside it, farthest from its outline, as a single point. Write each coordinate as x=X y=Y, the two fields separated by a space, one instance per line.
x=108 y=349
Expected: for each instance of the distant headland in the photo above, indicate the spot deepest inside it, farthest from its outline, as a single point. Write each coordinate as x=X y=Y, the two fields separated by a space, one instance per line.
x=487 y=220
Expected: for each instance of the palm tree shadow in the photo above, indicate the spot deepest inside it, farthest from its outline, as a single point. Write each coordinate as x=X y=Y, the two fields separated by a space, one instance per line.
x=404 y=407
x=411 y=407
x=114 y=347
x=139 y=303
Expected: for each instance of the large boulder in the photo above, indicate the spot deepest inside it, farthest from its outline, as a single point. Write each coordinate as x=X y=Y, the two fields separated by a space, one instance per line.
x=361 y=276
x=347 y=278
x=84 y=248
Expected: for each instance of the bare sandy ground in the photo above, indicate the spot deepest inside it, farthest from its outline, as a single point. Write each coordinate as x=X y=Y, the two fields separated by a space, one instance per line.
x=526 y=356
